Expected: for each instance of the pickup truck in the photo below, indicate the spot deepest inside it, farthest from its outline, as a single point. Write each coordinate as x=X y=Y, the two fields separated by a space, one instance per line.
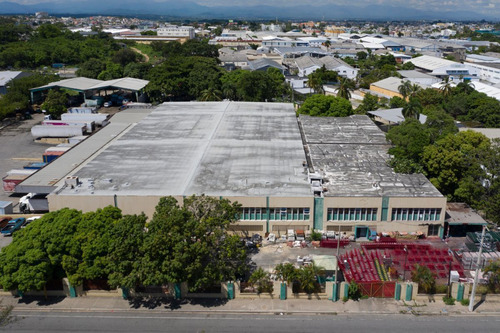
x=12 y=226
x=4 y=220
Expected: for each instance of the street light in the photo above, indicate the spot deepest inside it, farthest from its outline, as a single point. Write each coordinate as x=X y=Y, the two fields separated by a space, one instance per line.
x=404 y=268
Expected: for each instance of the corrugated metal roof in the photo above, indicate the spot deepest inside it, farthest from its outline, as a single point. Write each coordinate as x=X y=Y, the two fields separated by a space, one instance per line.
x=7 y=76
x=431 y=63
x=126 y=83
x=394 y=115
x=83 y=84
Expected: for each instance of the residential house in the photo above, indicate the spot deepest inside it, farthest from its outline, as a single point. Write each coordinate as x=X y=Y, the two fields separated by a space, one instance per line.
x=307 y=65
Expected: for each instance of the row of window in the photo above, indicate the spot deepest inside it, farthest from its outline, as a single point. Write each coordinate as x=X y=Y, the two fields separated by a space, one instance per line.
x=288 y=214
x=416 y=214
x=339 y=214
x=352 y=214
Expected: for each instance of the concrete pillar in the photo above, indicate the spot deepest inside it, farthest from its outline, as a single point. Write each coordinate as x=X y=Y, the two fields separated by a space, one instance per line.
x=415 y=290
x=223 y=289
x=329 y=290
x=466 y=290
x=344 y=290
x=237 y=285
x=289 y=290
x=184 y=290
x=454 y=290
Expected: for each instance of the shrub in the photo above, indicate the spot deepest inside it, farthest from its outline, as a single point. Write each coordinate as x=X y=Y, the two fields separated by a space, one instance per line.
x=449 y=300
x=465 y=302
x=316 y=236
x=261 y=279
x=424 y=277
x=345 y=299
x=354 y=291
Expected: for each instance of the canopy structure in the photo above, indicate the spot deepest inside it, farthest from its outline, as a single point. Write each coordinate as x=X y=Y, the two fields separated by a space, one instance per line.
x=85 y=85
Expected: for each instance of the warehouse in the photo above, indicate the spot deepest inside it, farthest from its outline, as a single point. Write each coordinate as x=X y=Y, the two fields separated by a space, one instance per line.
x=287 y=173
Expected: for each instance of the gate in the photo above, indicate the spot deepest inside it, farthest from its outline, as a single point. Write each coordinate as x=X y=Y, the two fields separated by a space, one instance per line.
x=382 y=289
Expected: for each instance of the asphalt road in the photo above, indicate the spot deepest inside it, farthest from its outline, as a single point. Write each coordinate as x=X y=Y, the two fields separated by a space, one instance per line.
x=185 y=322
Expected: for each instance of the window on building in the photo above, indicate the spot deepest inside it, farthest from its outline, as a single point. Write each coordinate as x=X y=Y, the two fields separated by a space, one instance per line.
x=352 y=214
x=289 y=214
x=416 y=214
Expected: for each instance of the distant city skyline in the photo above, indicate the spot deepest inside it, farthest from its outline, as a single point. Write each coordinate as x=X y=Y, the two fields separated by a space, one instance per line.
x=480 y=6
x=390 y=9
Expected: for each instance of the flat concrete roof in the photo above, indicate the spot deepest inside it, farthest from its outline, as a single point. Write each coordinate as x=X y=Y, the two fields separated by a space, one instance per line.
x=212 y=148
x=351 y=154
x=48 y=178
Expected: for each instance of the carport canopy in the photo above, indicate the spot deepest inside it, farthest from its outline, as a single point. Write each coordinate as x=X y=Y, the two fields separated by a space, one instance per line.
x=83 y=85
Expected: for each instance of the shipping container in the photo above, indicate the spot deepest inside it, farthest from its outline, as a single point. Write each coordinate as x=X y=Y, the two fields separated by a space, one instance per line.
x=53 y=149
x=11 y=181
x=84 y=110
x=99 y=118
x=90 y=125
x=35 y=165
x=20 y=172
x=51 y=155
x=76 y=139
x=46 y=131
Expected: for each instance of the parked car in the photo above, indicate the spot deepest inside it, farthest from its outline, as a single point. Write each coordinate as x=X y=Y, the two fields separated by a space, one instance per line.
x=13 y=226
x=4 y=220
x=29 y=220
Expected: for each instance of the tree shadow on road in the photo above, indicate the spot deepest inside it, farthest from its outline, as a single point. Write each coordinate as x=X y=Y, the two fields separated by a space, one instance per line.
x=40 y=300
x=173 y=304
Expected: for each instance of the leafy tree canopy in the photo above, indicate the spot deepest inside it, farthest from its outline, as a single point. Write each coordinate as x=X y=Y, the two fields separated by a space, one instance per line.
x=326 y=106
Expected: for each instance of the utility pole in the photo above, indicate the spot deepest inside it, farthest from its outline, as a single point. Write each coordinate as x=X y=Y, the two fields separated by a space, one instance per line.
x=335 y=295
x=476 y=277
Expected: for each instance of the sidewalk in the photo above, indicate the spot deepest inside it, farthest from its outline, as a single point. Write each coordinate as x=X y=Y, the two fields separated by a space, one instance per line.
x=253 y=306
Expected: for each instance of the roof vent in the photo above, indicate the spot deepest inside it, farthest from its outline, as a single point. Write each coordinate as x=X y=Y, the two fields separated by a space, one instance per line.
x=71 y=181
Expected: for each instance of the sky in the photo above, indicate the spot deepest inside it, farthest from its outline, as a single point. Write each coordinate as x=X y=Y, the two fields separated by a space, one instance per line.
x=479 y=6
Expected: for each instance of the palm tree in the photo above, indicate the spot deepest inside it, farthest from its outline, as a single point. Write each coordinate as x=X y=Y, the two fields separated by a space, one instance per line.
x=345 y=88
x=261 y=279
x=211 y=94
x=315 y=83
x=466 y=87
x=286 y=272
x=412 y=109
x=424 y=277
x=327 y=44
x=405 y=88
x=446 y=87
x=414 y=90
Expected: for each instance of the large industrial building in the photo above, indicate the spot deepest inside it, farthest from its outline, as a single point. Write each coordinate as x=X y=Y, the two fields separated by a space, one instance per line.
x=287 y=172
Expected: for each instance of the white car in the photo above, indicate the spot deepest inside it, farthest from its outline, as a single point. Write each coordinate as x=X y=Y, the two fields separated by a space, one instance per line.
x=29 y=220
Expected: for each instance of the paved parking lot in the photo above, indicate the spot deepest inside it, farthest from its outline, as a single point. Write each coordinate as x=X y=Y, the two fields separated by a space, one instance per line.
x=17 y=149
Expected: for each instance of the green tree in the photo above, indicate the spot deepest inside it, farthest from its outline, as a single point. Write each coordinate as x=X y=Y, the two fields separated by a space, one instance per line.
x=345 y=88
x=326 y=106
x=124 y=57
x=262 y=280
x=192 y=244
x=354 y=291
x=412 y=109
x=446 y=87
x=211 y=94
x=454 y=158
x=404 y=89
x=369 y=103
x=56 y=103
x=408 y=66
x=409 y=139
x=308 y=278
x=91 y=68
x=286 y=272
x=397 y=102
x=424 y=277
x=439 y=124
x=126 y=251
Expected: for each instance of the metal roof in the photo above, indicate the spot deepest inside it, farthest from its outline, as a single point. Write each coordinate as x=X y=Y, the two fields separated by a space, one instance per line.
x=431 y=63
x=330 y=62
x=461 y=213
x=84 y=84
x=394 y=116
x=7 y=76
x=392 y=84
x=126 y=83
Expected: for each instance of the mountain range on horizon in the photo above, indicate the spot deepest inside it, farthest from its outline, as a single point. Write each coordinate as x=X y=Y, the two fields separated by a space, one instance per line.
x=194 y=10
